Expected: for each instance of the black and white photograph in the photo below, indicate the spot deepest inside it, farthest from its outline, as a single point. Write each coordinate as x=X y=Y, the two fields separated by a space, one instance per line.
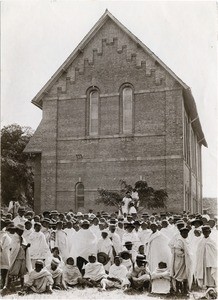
x=109 y=150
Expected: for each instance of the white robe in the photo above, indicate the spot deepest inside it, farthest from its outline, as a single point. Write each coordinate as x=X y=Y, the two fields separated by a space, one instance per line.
x=131 y=237
x=5 y=244
x=158 y=250
x=116 y=241
x=61 y=242
x=39 y=248
x=206 y=260
x=86 y=243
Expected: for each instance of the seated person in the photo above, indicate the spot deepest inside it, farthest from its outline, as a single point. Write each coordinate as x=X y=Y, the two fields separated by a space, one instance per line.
x=117 y=276
x=57 y=274
x=40 y=280
x=94 y=272
x=71 y=273
x=55 y=253
x=160 y=279
x=139 y=274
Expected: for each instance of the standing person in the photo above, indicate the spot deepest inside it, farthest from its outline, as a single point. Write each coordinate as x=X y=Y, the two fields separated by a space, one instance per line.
x=28 y=230
x=20 y=219
x=13 y=207
x=181 y=268
x=61 y=241
x=206 y=260
x=19 y=258
x=131 y=236
x=70 y=231
x=5 y=244
x=125 y=203
x=156 y=242
x=46 y=230
x=39 y=249
x=115 y=238
x=86 y=244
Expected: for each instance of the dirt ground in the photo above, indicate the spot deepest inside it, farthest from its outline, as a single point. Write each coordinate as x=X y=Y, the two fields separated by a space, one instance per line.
x=94 y=294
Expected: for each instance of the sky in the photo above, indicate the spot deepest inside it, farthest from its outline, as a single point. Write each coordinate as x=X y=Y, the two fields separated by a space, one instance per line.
x=38 y=35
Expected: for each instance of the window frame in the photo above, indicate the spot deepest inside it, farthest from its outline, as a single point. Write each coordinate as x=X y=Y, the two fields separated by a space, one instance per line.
x=122 y=129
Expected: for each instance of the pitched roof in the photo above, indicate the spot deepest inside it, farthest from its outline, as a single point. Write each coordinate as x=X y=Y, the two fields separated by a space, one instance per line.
x=188 y=98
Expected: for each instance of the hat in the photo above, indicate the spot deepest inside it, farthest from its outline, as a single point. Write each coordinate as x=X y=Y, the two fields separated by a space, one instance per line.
x=197 y=220
x=184 y=229
x=10 y=226
x=112 y=225
x=39 y=262
x=85 y=222
x=54 y=212
x=79 y=214
x=37 y=223
x=47 y=220
x=180 y=222
x=128 y=243
x=205 y=227
x=55 y=261
x=20 y=226
x=141 y=257
x=21 y=208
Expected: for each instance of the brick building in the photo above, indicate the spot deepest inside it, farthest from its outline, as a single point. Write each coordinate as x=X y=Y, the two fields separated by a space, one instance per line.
x=115 y=111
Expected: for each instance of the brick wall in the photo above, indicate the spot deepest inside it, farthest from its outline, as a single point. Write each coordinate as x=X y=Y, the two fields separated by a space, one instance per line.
x=153 y=151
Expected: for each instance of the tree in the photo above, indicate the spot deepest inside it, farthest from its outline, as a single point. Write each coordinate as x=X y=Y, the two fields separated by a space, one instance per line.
x=16 y=175
x=148 y=197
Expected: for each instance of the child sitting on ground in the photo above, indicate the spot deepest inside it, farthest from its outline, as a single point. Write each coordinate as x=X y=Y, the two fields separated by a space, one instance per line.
x=160 y=279
x=71 y=273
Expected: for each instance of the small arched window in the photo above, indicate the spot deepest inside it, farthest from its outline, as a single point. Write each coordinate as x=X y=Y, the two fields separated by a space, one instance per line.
x=93 y=112
x=79 y=195
x=127 y=110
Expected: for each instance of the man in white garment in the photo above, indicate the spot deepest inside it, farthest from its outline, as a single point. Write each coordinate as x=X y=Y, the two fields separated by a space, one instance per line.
x=70 y=231
x=46 y=230
x=120 y=229
x=61 y=241
x=39 y=249
x=156 y=242
x=20 y=219
x=5 y=244
x=166 y=230
x=94 y=227
x=125 y=204
x=28 y=230
x=86 y=244
x=115 y=238
x=206 y=260
x=145 y=233
x=131 y=236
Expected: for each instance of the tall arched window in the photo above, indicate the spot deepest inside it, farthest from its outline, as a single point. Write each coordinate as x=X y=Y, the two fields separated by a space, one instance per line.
x=93 y=112
x=127 y=110
x=79 y=195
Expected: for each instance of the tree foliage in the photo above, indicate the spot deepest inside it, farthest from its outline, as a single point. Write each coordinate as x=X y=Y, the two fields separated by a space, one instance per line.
x=148 y=196
x=16 y=175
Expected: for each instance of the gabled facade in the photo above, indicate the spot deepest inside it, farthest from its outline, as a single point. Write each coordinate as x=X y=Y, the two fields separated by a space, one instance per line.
x=115 y=111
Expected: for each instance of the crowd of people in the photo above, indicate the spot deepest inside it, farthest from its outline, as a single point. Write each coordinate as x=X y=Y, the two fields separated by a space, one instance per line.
x=159 y=253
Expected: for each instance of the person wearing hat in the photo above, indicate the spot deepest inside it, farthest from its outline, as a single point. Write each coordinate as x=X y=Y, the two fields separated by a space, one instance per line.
x=94 y=226
x=132 y=236
x=86 y=244
x=20 y=219
x=39 y=280
x=5 y=244
x=182 y=263
x=206 y=260
x=129 y=247
x=160 y=279
x=156 y=242
x=178 y=225
x=139 y=274
x=145 y=233
x=19 y=258
x=39 y=249
x=120 y=228
x=117 y=276
x=57 y=274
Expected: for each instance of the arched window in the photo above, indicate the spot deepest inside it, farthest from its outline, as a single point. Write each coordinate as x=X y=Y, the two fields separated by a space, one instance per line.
x=79 y=195
x=127 y=109
x=93 y=112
